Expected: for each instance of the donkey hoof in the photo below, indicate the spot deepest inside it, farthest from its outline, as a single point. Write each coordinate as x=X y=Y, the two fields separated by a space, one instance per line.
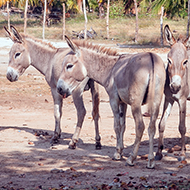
x=158 y=156
x=150 y=167
x=72 y=146
x=54 y=141
x=129 y=162
x=98 y=146
x=117 y=156
x=151 y=164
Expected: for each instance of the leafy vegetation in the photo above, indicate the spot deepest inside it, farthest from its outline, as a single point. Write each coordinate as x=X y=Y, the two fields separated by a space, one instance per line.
x=122 y=29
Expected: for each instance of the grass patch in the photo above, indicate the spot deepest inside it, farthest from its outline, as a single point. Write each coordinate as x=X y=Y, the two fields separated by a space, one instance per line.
x=121 y=29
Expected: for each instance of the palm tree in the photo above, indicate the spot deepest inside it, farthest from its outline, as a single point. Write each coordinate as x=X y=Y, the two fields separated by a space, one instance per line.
x=171 y=7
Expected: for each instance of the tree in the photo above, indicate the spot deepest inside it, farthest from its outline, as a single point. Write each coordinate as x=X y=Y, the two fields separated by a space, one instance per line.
x=108 y=12
x=188 y=22
x=4 y=2
x=25 y=16
x=44 y=19
x=79 y=3
x=137 y=25
x=85 y=28
x=172 y=7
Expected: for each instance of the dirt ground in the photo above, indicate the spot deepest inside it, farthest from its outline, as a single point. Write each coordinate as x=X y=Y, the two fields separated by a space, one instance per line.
x=27 y=160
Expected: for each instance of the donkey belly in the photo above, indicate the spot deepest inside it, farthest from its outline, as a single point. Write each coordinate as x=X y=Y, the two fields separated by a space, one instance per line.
x=133 y=93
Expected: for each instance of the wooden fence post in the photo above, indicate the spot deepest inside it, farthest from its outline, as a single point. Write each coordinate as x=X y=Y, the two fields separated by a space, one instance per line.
x=108 y=12
x=63 y=21
x=25 y=16
x=161 y=26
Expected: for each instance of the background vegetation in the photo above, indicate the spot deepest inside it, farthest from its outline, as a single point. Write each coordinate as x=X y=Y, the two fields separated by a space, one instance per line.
x=121 y=24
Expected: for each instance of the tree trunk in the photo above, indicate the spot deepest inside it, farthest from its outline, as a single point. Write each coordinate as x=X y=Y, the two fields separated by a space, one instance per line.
x=79 y=3
x=161 y=26
x=101 y=8
x=108 y=12
x=8 y=16
x=188 y=22
x=137 y=25
x=85 y=27
x=44 y=20
x=63 y=21
x=25 y=16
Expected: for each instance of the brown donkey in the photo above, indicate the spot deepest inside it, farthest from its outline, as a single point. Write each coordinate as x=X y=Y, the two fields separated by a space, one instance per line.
x=176 y=88
x=47 y=59
x=128 y=79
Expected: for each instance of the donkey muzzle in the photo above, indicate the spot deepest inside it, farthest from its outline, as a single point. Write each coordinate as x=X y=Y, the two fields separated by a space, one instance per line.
x=175 y=84
x=63 y=88
x=12 y=74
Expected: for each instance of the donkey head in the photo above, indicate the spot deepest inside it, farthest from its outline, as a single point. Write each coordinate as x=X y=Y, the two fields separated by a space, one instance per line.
x=73 y=70
x=177 y=60
x=19 y=58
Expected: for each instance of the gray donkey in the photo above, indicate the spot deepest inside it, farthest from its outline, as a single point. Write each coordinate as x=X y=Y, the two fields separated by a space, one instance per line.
x=128 y=79
x=176 y=88
x=47 y=59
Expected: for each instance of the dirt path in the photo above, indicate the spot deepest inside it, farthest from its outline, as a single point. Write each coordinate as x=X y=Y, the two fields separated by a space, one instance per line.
x=28 y=161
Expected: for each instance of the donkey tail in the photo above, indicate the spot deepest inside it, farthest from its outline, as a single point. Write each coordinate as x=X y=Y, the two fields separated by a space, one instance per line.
x=152 y=86
x=156 y=83
x=95 y=98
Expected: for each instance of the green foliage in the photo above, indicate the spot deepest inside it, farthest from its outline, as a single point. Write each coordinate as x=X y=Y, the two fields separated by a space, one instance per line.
x=117 y=9
x=93 y=4
x=72 y=6
x=173 y=8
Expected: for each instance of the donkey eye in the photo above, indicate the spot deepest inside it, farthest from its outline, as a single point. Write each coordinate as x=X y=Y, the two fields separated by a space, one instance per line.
x=185 y=62
x=16 y=55
x=169 y=61
x=69 y=66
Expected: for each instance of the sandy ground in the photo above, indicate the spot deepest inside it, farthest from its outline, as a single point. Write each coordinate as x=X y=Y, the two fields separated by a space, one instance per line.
x=27 y=160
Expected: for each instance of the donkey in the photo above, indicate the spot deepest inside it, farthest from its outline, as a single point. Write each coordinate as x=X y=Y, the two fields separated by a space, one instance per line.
x=176 y=88
x=128 y=79
x=47 y=59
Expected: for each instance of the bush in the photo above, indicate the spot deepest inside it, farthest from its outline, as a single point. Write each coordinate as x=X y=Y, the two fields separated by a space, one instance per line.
x=117 y=9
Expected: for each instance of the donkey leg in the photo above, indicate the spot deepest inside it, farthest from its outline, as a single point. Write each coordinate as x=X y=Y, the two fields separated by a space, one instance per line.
x=58 y=102
x=95 y=111
x=168 y=103
x=114 y=102
x=151 y=132
x=122 y=115
x=182 y=127
x=139 y=128
x=81 y=112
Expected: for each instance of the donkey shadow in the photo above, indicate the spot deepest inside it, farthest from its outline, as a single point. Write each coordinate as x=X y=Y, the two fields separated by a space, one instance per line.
x=43 y=138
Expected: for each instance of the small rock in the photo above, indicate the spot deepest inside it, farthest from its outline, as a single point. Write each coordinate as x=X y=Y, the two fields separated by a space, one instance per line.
x=55 y=171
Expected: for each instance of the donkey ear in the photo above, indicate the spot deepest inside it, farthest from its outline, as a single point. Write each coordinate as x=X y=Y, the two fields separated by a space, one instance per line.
x=187 y=43
x=9 y=34
x=72 y=45
x=169 y=36
x=16 y=34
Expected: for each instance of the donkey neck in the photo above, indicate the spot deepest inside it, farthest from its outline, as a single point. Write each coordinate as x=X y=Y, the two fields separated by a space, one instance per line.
x=99 y=65
x=40 y=55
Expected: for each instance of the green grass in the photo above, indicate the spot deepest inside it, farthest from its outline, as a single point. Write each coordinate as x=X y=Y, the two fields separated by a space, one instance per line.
x=121 y=30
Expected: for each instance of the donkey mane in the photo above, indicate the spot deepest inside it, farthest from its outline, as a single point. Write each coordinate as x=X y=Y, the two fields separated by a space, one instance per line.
x=96 y=48
x=43 y=43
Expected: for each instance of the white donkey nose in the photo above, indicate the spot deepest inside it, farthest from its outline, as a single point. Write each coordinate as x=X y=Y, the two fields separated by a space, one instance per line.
x=175 y=84
x=12 y=74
